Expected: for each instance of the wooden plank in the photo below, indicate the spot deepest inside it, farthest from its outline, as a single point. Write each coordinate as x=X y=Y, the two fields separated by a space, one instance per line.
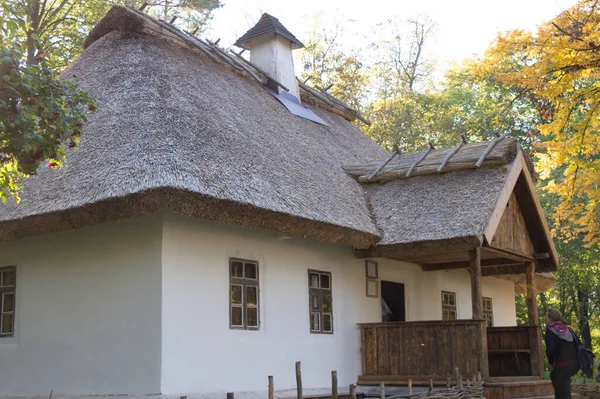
x=512 y=233
x=476 y=296
x=382 y=352
x=371 y=351
x=466 y=264
x=509 y=185
x=395 y=345
x=539 y=211
x=508 y=254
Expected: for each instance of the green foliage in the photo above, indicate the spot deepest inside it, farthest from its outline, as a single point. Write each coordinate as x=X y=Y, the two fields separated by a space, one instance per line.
x=40 y=114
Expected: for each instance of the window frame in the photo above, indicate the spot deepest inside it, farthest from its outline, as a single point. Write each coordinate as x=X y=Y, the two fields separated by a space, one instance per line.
x=245 y=283
x=488 y=314
x=4 y=290
x=449 y=308
x=319 y=293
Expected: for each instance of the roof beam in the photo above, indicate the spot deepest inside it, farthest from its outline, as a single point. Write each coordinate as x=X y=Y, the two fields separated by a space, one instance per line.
x=509 y=255
x=465 y=264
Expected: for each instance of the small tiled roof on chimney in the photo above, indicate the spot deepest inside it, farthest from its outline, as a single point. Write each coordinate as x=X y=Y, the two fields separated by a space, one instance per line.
x=267 y=25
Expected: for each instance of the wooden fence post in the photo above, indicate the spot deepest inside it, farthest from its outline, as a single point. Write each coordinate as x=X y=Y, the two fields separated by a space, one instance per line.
x=271 y=387
x=334 y=385
x=382 y=388
x=430 y=385
x=352 y=391
x=409 y=386
x=298 y=380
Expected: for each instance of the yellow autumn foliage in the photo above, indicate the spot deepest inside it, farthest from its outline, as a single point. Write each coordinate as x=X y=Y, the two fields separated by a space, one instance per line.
x=560 y=66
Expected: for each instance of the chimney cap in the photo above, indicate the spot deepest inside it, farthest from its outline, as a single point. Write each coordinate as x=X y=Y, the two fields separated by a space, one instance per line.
x=267 y=25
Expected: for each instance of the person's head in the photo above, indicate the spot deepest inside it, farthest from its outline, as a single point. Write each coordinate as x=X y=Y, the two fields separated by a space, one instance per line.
x=553 y=315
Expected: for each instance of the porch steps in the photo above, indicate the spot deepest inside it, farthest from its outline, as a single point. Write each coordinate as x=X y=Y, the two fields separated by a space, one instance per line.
x=520 y=389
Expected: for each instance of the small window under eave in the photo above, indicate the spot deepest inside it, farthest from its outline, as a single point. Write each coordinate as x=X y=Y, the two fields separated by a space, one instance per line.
x=293 y=105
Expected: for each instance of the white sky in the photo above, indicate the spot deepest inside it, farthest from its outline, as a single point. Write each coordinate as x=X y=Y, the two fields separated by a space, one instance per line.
x=464 y=27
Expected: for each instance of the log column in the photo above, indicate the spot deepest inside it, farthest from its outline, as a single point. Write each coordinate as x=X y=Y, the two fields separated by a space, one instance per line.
x=477 y=301
x=532 y=308
x=476 y=296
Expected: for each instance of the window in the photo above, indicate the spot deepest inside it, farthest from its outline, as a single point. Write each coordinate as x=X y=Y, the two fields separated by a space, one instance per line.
x=320 y=302
x=488 y=312
x=243 y=295
x=8 y=282
x=448 y=305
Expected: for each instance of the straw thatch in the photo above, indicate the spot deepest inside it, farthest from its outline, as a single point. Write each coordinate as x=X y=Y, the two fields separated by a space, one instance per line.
x=449 y=209
x=542 y=282
x=174 y=129
x=503 y=151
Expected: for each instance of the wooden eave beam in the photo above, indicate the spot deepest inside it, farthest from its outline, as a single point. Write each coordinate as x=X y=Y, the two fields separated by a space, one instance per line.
x=466 y=264
x=508 y=254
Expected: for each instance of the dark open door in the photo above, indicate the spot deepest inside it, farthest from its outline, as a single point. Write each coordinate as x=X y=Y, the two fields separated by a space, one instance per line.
x=392 y=295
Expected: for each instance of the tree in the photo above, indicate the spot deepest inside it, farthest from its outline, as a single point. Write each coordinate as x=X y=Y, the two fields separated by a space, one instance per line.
x=191 y=14
x=325 y=65
x=560 y=65
x=40 y=114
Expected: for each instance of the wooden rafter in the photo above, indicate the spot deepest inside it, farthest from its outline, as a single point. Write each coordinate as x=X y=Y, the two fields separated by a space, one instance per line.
x=489 y=149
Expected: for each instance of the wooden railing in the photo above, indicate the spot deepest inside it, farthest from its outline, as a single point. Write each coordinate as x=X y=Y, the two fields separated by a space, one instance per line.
x=399 y=351
x=515 y=351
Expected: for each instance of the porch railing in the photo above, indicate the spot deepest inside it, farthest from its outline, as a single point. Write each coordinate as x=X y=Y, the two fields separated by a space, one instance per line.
x=423 y=350
x=515 y=351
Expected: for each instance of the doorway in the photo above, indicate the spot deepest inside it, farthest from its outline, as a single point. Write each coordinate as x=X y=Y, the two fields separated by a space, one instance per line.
x=392 y=295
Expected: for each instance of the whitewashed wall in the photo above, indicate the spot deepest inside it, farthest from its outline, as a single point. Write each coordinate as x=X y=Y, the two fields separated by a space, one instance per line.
x=200 y=354
x=88 y=311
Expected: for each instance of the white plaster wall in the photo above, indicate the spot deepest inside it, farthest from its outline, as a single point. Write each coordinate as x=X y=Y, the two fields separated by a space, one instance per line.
x=200 y=354
x=275 y=57
x=88 y=311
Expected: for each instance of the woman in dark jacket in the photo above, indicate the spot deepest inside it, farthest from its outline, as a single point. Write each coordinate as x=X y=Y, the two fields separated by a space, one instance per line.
x=561 y=352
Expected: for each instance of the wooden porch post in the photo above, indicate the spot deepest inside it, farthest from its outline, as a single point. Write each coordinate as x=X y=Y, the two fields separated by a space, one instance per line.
x=532 y=308
x=476 y=296
x=535 y=331
x=477 y=301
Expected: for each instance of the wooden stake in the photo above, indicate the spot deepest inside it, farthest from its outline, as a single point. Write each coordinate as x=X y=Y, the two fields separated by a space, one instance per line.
x=380 y=168
x=173 y=19
x=409 y=386
x=448 y=383
x=452 y=153
x=143 y=6
x=271 y=387
x=430 y=385
x=456 y=374
x=229 y=395
x=382 y=390
x=298 y=380
x=460 y=383
x=479 y=379
x=334 y=385
x=489 y=149
x=352 y=391
x=421 y=158
x=195 y=30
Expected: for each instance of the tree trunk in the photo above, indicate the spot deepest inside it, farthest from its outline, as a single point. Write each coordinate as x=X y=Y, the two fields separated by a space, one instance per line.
x=33 y=17
x=584 y=318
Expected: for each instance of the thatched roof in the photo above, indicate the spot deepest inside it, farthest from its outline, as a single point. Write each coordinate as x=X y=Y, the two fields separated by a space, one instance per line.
x=175 y=129
x=452 y=206
x=542 y=282
x=183 y=126
x=268 y=25
x=433 y=161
